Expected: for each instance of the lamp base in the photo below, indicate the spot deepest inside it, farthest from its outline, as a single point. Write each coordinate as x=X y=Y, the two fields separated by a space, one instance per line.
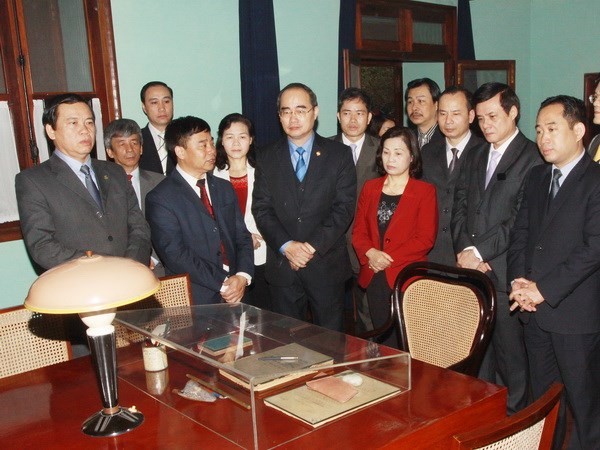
x=106 y=425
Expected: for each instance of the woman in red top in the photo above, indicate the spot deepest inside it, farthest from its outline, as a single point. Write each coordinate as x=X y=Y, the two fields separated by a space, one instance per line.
x=396 y=221
x=235 y=162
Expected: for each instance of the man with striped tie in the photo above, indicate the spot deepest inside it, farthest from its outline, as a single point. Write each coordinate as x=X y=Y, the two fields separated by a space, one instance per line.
x=157 y=104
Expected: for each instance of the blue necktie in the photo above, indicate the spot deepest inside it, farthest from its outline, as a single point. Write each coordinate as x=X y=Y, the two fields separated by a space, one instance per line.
x=300 y=165
x=91 y=186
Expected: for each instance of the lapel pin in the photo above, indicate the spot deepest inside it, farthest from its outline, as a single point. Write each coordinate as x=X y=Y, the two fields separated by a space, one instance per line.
x=318 y=153
x=106 y=177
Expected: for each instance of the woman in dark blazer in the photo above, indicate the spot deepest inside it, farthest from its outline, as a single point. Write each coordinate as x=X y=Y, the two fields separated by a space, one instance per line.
x=396 y=221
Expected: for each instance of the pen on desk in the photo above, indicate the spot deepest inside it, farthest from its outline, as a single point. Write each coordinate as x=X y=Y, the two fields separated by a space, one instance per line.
x=278 y=358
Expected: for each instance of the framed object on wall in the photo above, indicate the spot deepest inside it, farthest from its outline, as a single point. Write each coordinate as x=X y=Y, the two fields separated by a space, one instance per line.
x=472 y=74
x=590 y=80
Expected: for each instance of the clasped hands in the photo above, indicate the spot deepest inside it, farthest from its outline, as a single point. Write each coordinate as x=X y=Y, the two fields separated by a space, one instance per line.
x=299 y=254
x=467 y=259
x=378 y=260
x=233 y=288
x=525 y=294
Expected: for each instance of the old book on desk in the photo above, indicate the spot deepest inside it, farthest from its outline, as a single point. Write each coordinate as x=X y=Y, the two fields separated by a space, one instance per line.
x=267 y=366
x=316 y=409
x=220 y=345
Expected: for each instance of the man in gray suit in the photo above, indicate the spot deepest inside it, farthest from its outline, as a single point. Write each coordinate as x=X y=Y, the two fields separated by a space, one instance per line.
x=73 y=203
x=442 y=161
x=486 y=200
x=123 y=142
x=354 y=116
x=60 y=218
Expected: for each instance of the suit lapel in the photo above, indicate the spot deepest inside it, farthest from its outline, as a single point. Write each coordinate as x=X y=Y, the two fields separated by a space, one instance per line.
x=189 y=195
x=104 y=182
x=67 y=178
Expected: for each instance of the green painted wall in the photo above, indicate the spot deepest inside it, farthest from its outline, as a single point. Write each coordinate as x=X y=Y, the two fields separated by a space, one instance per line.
x=193 y=46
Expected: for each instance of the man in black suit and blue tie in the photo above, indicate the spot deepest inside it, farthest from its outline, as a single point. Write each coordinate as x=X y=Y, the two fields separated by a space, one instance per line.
x=304 y=200
x=554 y=265
x=195 y=220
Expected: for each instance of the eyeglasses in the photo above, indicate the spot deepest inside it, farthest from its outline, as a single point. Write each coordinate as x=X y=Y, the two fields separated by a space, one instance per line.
x=300 y=113
x=592 y=98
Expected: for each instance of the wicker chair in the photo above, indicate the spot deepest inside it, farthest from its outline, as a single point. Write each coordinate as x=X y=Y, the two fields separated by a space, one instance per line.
x=174 y=291
x=444 y=315
x=30 y=340
x=530 y=429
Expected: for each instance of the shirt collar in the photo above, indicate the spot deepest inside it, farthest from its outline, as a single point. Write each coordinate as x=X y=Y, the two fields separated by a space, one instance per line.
x=74 y=164
x=566 y=169
x=358 y=143
x=504 y=146
x=307 y=146
x=461 y=145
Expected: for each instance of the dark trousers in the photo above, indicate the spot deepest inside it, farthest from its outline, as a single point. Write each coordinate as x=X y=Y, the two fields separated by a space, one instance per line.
x=574 y=360
x=505 y=361
x=378 y=295
x=325 y=300
x=259 y=294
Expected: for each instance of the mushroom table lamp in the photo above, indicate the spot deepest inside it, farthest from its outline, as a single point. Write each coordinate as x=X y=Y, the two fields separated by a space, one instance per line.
x=94 y=286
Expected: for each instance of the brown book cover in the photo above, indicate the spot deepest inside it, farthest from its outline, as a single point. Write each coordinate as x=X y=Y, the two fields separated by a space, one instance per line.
x=316 y=409
x=269 y=367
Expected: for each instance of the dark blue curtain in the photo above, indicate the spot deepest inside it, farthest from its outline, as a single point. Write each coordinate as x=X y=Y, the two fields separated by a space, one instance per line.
x=466 y=48
x=346 y=35
x=259 y=69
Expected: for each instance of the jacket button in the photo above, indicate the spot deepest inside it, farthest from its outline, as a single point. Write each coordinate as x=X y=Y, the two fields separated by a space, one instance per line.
x=110 y=238
x=387 y=240
x=474 y=235
x=299 y=219
x=539 y=248
x=445 y=229
x=446 y=210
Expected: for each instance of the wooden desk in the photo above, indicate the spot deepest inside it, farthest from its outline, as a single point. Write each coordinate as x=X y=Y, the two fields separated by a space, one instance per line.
x=44 y=409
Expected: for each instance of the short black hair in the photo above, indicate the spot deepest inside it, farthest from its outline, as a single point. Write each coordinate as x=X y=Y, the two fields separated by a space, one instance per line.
x=573 y=108
x=415 y=169
x=452 y=90
x=305 y=88
x=152 y=84
x=50 y=114
x=508 y=97
x=354 y=93
x=179 y=130
x=433 y=87
x=121 y=128
x=222 y=162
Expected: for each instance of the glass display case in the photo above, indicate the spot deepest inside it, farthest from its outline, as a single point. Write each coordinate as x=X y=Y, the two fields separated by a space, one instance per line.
x=265 y=379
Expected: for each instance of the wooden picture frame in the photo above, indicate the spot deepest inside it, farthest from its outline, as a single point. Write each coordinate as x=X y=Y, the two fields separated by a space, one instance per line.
x=472 y=74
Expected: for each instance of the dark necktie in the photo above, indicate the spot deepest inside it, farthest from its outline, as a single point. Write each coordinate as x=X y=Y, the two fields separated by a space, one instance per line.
x=554 y=186
x=300 y=165
x=91 y=186
x=206 y=202
x=129 y=177
x=454 y=160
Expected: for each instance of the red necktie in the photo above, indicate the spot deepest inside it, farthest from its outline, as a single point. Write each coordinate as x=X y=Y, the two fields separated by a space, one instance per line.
x=129 y=177
x=206 y=202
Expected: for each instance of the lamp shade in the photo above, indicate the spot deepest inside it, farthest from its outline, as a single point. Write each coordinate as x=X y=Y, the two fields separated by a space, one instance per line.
x=91 y=283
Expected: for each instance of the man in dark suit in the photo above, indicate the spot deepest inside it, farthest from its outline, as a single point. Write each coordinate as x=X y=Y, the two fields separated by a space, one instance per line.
x=354 y=116
x=196 y=223
x=442 y=161
x=487 y=197
x=60 y=218
x=594 y=147
x=304 y=200
x=421 y=98
x=72 y=203
x=123 y=143
x=157 y=104
x=554 y=262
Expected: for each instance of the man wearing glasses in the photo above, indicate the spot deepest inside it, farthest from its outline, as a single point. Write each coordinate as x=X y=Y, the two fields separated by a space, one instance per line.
x=303 y=202
x=594 y=147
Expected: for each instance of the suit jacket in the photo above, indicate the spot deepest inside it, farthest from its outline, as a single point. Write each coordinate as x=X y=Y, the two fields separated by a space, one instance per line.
x=366 y=169
x=410 y=233
x=482 y=217
x=319 y=210
x=60 y=220
x=148 y=181
x=260 y=254
x=188 y=239
x=149 y=159
x=435 y=171
x=560 y=249
x=595 y=142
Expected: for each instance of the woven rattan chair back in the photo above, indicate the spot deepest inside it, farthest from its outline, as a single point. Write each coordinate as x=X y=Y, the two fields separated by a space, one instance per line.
x=30 y=340
x=441 y=321
x=174 y=291
x=530 y=429
x=444 y=315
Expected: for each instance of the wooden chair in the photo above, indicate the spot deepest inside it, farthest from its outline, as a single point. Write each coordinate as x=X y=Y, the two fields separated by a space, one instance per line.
x=30 y=340
x=443 y=315
x=174 y=291
x=530 y=429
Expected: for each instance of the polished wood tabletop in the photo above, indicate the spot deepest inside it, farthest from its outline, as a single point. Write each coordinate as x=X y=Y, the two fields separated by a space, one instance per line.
x=44 y=409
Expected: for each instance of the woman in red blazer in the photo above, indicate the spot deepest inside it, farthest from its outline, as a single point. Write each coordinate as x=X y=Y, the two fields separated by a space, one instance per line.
x=396 y=221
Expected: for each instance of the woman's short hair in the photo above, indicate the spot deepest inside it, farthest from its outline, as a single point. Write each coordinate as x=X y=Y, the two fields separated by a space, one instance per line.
x=408 y=137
